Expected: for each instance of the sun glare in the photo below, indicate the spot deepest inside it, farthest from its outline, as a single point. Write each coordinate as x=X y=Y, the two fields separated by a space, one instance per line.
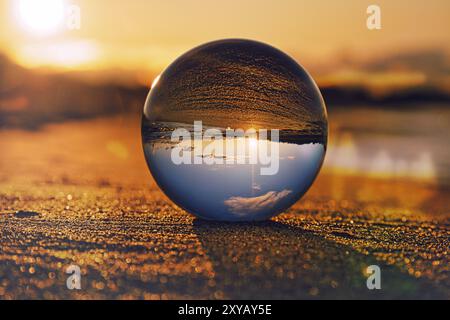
x=67 y=54
x=253 y=143
x=155 y=81
x=41 y=16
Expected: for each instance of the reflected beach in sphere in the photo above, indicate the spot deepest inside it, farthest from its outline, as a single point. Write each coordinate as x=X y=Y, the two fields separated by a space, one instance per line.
x=234 y=130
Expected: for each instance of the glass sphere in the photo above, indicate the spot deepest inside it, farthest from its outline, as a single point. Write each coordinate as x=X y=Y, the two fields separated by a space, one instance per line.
x=234 y=130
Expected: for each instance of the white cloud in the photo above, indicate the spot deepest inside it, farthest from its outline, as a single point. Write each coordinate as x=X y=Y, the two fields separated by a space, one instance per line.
x=242 y=206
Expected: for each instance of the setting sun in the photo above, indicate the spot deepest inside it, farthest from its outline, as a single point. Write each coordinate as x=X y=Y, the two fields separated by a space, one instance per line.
x=42 y=16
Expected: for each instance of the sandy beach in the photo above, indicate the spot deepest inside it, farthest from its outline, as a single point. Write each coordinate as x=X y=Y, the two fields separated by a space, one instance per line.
x=80 y=193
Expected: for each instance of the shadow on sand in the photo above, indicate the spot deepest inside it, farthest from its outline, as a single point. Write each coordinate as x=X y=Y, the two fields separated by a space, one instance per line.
x=273 y=260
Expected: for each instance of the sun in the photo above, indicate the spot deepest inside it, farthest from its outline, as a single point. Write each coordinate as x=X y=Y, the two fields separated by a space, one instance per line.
x=253 y=143
x=41 y=16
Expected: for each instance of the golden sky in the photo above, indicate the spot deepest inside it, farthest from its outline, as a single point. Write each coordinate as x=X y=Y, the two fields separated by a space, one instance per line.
x=144 y=36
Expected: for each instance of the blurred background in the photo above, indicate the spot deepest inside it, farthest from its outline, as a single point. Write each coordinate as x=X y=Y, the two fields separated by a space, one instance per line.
x=65 y=62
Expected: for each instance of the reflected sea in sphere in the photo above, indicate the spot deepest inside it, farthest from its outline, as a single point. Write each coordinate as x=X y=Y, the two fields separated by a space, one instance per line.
x=234 y=86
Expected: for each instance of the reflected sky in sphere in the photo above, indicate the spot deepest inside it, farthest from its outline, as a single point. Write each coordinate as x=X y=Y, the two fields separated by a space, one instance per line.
x=235 y=84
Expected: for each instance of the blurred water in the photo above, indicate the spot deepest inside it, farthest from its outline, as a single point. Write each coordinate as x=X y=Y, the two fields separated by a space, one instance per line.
x=391 y=143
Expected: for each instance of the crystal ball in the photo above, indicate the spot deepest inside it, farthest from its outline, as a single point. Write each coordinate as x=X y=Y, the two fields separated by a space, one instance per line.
x=234 y=130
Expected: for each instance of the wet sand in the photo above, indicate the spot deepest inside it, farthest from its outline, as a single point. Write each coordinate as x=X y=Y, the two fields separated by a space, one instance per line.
x=80 y=193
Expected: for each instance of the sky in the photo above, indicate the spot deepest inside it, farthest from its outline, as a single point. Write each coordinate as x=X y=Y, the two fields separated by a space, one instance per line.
x=141 y=37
